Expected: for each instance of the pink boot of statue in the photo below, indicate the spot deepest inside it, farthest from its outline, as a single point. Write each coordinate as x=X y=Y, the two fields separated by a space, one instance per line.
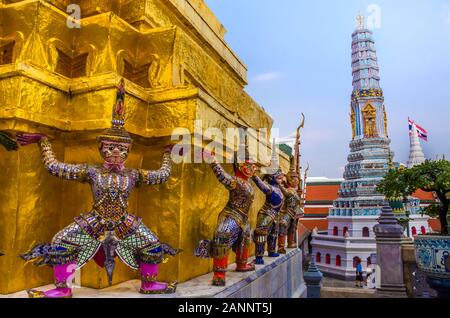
x=149 y=285
x=62 y=273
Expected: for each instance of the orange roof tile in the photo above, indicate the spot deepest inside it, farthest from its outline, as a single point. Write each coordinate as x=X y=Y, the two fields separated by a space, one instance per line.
x=321 y=224
x=435 y=224
x=303 y=232
x=321 y=192
x=315 y=211
x=422 y=195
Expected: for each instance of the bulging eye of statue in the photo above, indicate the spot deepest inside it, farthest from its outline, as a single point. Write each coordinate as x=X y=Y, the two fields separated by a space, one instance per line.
x=250 y=167
x=122 y=148
x=123 y=152
x=107 y=150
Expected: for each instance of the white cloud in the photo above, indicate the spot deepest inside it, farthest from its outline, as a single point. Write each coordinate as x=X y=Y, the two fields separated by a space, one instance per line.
x=267 y=77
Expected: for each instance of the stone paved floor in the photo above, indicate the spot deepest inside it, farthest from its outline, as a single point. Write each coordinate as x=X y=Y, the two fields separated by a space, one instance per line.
x=335 y=288
x=199 y=287
x=334 y=282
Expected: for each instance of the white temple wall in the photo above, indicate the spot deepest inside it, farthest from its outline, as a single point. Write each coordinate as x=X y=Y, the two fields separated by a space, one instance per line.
x=354 y=224
x=418 y=221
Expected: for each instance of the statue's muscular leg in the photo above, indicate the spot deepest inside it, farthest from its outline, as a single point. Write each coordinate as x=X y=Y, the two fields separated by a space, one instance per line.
x=142 y=250
x=292 y=234
x=70 y=249
x=263 y=224
x=226 y=235
x=283 y=230
x=272 y=240
x=241 y=250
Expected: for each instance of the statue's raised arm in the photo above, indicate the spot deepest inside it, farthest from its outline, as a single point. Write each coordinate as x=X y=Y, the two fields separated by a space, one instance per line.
x=56 y=168
x=263 y=186
x=152 y=177
x=222 y=176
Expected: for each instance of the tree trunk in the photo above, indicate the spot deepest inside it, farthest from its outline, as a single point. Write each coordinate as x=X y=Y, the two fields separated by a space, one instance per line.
x=443 y=211
x=443 y=219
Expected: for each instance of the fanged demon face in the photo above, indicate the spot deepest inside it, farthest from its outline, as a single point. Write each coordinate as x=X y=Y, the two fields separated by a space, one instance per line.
x=114 y=153
x=279 y=178
x=293 y=181
x=247 y=169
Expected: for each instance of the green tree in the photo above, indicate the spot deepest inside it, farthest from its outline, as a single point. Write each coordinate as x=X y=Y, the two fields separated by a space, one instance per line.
x=431 y=176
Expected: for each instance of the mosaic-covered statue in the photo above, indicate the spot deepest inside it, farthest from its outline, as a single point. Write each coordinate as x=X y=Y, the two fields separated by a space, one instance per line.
x=108 y=230
x=291 y=211
x=267 y=222
x=233 y=227
x=9 y=144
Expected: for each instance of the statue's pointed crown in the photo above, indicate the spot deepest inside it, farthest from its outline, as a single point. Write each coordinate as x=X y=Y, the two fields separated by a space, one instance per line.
x=292 y=168
x=117 y=131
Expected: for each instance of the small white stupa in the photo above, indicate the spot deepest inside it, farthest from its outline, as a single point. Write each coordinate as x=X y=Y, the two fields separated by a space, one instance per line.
x=416 y=156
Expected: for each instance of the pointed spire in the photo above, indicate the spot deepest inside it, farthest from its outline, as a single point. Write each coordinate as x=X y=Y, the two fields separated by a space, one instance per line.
x=274 y=161
x=364 y=61
x=117 y=131
x=416 y=155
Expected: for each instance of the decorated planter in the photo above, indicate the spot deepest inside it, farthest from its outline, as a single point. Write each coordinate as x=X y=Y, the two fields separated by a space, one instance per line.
x=433 y=259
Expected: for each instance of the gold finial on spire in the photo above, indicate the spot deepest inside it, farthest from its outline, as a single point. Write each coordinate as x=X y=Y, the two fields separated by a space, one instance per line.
x=360 y=21
x=297 y=145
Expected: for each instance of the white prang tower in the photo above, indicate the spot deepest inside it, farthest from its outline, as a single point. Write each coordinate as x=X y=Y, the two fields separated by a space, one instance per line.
x=416 y=156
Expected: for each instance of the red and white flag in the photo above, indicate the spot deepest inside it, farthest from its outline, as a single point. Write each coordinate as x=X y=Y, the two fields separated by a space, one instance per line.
x=421 y=132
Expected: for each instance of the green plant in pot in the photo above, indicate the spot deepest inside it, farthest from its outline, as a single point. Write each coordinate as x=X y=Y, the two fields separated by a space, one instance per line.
x=432 y=250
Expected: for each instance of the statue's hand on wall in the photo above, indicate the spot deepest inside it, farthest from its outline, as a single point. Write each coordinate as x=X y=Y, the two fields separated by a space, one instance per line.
x=178 y=150
x=7 y=142
x=208 y=156
x=169 y=148
x=28 y=139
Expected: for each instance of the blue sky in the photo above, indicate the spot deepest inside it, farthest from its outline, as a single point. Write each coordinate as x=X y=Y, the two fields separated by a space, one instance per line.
x=298 y=55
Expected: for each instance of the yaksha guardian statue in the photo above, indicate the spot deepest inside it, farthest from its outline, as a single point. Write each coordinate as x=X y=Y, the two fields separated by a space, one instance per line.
x=291 y=211
x=108 y=229
x=267 y=221
x=9 y=144
x=233 y=227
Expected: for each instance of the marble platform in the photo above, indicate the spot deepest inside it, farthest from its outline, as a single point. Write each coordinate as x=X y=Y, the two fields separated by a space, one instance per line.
x=280 y=277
